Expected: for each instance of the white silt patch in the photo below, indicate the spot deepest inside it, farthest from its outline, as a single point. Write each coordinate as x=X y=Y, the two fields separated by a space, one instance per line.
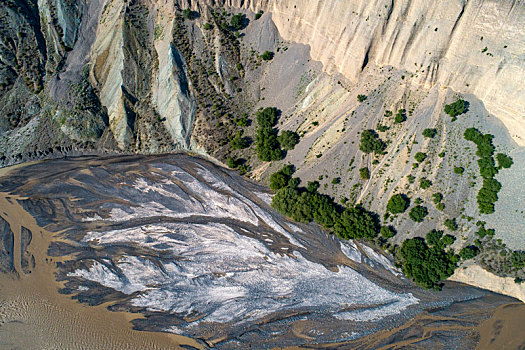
x=231 y=278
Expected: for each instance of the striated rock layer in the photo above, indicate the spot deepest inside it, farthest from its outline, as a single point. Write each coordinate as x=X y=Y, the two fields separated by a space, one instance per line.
x=472 y=46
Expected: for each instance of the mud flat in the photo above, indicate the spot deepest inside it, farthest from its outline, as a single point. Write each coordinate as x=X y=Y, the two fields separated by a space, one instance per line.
x=191 y=254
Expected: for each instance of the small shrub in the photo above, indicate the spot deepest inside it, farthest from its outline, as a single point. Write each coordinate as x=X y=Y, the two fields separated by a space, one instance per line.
x=207 y=26
x=364 y=173
x=459 y=170
x=361 y=98
x=437 y=197
x=400 y=116
x=336 y=180
x=420 y=156
x=267 y=55
x=238 y=142
x=258 y=14
x=425 y=183
x=430 y=133
x=440 y=206
x=451 y=224
x=387 y=232
x=231 y=163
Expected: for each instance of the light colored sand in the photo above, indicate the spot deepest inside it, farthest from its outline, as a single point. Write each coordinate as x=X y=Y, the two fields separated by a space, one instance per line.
x=477 y=276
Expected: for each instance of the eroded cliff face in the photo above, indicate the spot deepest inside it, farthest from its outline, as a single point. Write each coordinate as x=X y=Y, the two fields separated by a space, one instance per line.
x=471 y=46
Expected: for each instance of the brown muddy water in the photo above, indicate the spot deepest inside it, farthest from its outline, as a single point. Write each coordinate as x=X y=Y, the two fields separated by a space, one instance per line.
x=174 y=252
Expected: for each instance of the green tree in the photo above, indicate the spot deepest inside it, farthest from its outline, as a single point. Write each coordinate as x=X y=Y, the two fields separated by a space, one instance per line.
x=361 y=98
x=448 y=240
x=370 y=142
x=426 y=266
x=418 y=213
x=504 y=161
x=469 y=252
x=356 y=222
x=456 y=108
x=397 y=204
x=288 y=139
x=433 y=238
x=451 y=224
x=237 y=21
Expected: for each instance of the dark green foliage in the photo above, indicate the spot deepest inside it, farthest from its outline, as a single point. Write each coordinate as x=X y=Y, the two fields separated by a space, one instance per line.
x=189 y=14
x=231 y=163
x=361 y=98
x=398 y=203
x=451 y=224
x=288 y=139
x=278 y=180
x=237 y=21
x=364 y=173
x=420 y=156
x=336 y=180
x=482 y=231
x=238 y=141
x=207 y=26
x=242 y=121
x=469 y=252
x=370 y=142
x=433 y=238
x=267 y=117
x=488 y=194
x=268 y=147
x=448 y=240
x=312 y=186
x=388 y=114
x=440 y=206
x=456 y=108
x=427 y=266
x=258 y=14
x=518 y=259
x=459 y=170
x=243 y=168
x=504 y=161
x=437 y=197
x=387 y=232
x=382 y=127
x=430 y=132
x=418 y=213
x=356 y=222
x=400 y=116
x=425 y=183
x=267 y=55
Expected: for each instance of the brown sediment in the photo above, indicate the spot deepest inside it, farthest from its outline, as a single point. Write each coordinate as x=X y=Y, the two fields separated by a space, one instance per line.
x=505 y=329
x=34 y=315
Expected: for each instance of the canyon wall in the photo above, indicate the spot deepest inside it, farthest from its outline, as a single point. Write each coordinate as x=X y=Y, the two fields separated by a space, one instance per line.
x=473 y=47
